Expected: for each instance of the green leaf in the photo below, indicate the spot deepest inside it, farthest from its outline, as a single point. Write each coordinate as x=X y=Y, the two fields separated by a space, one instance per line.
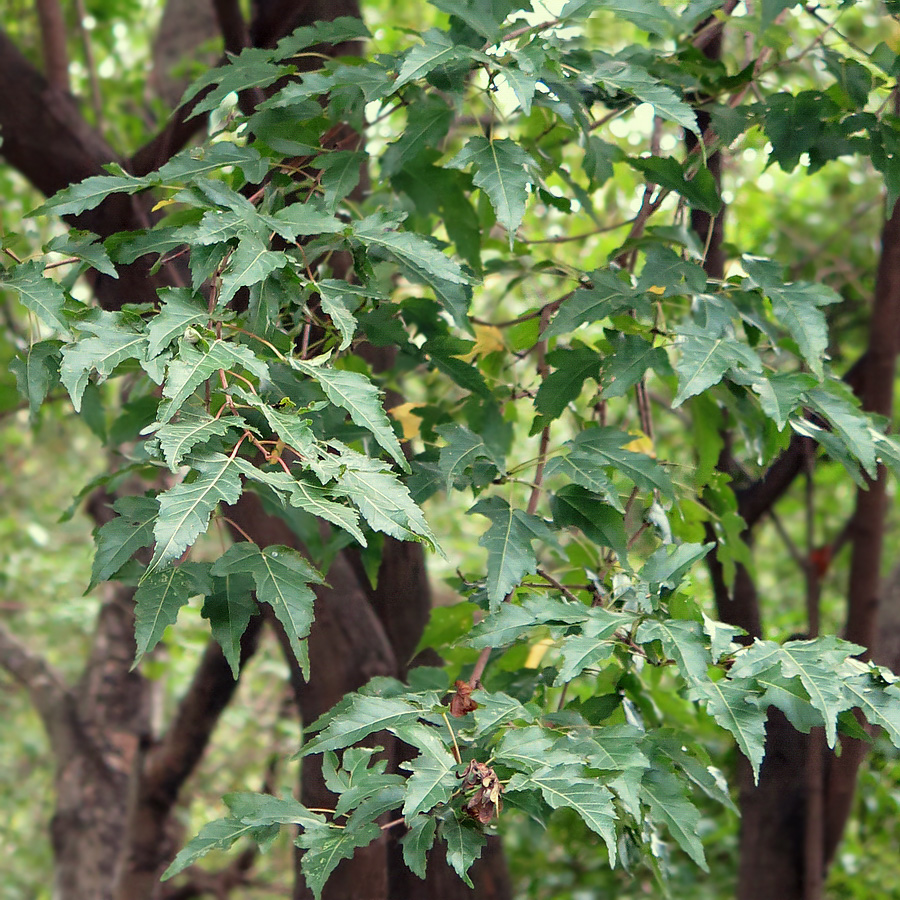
x=354 y=392
x=252 y=68
x=796 y=307
x=326 y=845
x=417 y=843
x=706 y=357
x=628 y=362
x=37 y=372
x=193 y=428
x=111 y=343
x=608 y=295
x=618 y=75
x=604 y=448
x=496 y=707
x=781 y=393
x=649 y=15
x=282 y=577
x=566 y=786
x=359 y=717
x=700 y=191
x=250 y=263
x=218 y=835
x=427 y=122
x=594 y=645
x=433 y=781
x=573 y=505
x=437 y=49
x=341 y=171
x=382 y=499
x=878 y=702
x=735 y=705
x=508 y=542
x=462 y=449
x=184 y=510
x=668 y=565
x=340 y=300
x=464 y=845
x=193 y=367
x=305 y=220
x=503 y=171
x=159 y=597
x=412 y=251
x=564 y=385
x=839 y=406
x=40 y=295
x=665 y=796
x=86 y=246
x=264 y=809
x=91 y=192
x=229 y=607
x=180 y=308
x=120 y=538
x=683 y=640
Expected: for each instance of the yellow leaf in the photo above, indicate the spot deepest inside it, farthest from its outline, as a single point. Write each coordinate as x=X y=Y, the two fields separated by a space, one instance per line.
x=641 y=444
x=163 y=203
x=408 y=420
x=655 y=289
x=488 y=339
x=537 y=652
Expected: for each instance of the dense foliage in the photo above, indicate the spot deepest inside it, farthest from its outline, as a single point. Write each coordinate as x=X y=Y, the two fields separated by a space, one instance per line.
x=372 y=227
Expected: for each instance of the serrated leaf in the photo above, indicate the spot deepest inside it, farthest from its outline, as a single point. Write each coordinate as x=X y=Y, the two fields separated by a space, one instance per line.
x=683 y=640
x=628 y=362
x=495 y=707
x=180 y=309
x=700 y=191
x=250 y=263
x=464 y=845
x=282 y=577
x=878 y=702
x=706 y=357
x=736 y=707
x=427 y=122
x=781 y=393
x=433 y=781
x=193 y=428
x=837 y=404
x=37 y=372
x=193 y=367
x=462 y=449
x=623 y=76
x=265 y=809
x=649 y=15
x=86 y=246
x=562 y=386
x=341 y=171
x=90 y=193
x=573 y=505
x=382 y=499
x=502 y=169
x=437 y=49
x=339 y=301
x=566 y=786
x=605 y=447
x=608 y=295
x=304 y=219
x=120 y=538
x=229 y=607
x=111 y=343
x=410 y=250
x=417 y=843
x=667 y=566
x=218 y=835
x=159 y=597
x=508 y=542
x=594 y=645
x=359 y=717
x=667 y=801
x=184 y=510
x=40 y=295
x=354 y=392
x=253 y=68
x=326 y=846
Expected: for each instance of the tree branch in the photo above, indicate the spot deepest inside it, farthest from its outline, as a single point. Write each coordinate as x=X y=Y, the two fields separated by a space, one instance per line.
x=46 y=689
x=53 y=44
